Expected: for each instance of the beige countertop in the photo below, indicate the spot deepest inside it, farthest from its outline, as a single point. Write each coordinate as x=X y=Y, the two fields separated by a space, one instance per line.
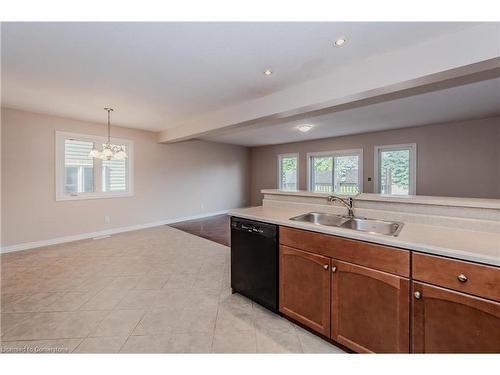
x=483 y=247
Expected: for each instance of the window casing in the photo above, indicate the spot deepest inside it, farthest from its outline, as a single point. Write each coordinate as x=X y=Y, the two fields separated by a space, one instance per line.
x=396 y=169
x=79 y=176
x=339 y=172
x=288 y=172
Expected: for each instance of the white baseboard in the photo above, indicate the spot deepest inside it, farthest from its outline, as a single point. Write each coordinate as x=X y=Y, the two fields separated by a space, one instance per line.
x=107 y=232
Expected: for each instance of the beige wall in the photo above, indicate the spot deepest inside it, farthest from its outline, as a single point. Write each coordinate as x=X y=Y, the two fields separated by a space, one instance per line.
x=170 y=181
x=455 y=159
x=190 y=178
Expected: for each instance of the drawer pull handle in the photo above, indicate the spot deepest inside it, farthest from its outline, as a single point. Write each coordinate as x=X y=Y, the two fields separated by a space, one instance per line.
x=325 y=266
x=334 y=268
x=462 y=278
x=417 y=295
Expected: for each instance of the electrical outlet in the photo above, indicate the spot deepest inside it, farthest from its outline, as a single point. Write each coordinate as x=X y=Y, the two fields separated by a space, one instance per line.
x=107 y=219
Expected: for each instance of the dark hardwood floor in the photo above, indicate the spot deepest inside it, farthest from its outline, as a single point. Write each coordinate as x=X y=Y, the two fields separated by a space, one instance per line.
x=215 y=228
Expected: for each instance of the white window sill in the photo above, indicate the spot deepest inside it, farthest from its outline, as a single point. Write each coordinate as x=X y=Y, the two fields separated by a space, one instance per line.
x=67 y=197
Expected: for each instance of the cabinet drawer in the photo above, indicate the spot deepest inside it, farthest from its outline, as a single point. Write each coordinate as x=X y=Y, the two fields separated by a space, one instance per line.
x=366 y=254
x=477 y=279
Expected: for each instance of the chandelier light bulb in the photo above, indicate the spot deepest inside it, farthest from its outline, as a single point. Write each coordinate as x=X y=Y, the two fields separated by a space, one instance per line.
x=95 y=153
x=120 y=155
x=107 y=152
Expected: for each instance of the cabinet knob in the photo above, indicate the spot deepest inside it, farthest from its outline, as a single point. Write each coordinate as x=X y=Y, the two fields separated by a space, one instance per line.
x=417 y=295
x=334 y=268
x=462 y=278
x=325 y=266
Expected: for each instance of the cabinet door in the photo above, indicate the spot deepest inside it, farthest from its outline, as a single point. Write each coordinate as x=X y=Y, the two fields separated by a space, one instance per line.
x=305 y=288
x=445 y=321
x=370 y=312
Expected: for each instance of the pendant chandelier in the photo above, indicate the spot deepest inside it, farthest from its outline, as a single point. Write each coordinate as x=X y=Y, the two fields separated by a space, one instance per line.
x=109 y=151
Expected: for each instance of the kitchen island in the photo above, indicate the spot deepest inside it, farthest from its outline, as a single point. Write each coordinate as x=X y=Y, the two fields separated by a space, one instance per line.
x=435 y=287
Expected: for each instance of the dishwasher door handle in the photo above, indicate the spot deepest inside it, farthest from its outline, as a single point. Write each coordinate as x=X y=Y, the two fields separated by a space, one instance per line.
x=250 y=229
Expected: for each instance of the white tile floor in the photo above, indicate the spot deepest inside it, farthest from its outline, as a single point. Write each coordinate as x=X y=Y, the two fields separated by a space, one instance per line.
x=157 y=290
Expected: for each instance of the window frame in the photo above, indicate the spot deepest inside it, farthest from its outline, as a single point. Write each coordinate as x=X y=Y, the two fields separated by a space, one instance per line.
x=280 y=158
x=412 y=147
x=352 y=152
x=98 y=193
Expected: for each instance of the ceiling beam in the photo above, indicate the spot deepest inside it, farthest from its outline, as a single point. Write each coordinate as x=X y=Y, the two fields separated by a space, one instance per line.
x=485 y=70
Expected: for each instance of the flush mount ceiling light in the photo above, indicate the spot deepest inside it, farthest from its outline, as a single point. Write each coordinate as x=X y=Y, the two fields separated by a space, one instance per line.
x=109 y=151
x=268 y=72
x=304 y=128
x=339 y=42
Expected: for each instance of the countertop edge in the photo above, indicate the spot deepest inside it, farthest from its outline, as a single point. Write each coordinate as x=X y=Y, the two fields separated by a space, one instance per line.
x=493 y=204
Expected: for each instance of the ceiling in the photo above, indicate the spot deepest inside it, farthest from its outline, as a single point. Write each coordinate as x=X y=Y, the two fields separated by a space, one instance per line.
x=475 y=100
x=159 y=75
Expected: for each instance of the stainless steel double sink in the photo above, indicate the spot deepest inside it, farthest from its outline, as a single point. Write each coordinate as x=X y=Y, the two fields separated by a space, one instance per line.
x=388 y=228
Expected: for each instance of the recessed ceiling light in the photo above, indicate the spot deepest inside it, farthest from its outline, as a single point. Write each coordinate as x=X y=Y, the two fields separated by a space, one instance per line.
x=268 y=72
x=340 y=42
x=304 y=128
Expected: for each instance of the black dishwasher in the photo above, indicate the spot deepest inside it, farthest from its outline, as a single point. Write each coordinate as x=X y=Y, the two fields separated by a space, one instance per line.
x=254 y=261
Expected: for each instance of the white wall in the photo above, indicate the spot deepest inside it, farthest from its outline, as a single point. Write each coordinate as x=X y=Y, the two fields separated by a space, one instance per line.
x=171 y=180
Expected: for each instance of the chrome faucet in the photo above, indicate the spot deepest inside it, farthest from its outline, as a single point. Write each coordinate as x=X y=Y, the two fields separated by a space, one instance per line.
x=346 y=202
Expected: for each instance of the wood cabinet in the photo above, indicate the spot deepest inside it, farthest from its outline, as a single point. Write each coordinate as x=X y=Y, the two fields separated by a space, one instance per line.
x=304 y=288
x=358 y=294
x=446 y=321
x=370 y=309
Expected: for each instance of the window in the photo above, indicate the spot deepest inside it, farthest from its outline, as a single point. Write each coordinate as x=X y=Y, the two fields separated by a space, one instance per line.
x=114 y=175
x=338 y=172
x=395 y=169
x=288 y=167
x=79 y=176
x=78 y=167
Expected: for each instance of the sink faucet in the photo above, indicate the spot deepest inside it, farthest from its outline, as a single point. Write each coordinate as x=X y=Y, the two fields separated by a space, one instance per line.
x=346 y=202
